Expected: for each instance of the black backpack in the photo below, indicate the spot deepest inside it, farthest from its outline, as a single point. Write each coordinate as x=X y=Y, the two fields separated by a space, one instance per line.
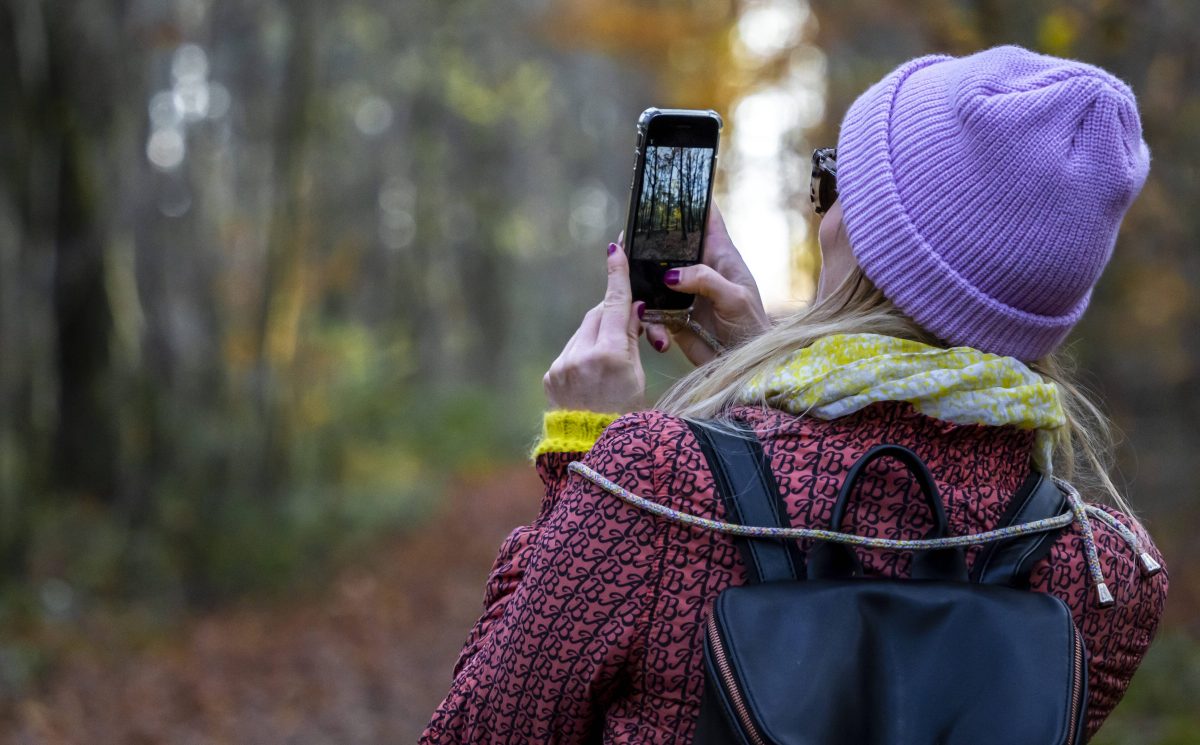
x=811 y=652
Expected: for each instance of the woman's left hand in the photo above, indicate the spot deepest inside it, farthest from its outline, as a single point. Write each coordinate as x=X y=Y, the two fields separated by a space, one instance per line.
x=600 y=369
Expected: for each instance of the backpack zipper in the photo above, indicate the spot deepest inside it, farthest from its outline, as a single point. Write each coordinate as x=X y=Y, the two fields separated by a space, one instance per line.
x=725 y=672
x=1077 y=685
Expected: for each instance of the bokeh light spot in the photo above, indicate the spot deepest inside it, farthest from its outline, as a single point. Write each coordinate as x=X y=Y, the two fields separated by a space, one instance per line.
x=189 y=64
x=166 y=148
x=373 y=116
x=770 y=27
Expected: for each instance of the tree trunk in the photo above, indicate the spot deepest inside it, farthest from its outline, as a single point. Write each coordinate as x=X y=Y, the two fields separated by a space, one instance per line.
x=64 y=127
x=85 y=440
x=282 y=298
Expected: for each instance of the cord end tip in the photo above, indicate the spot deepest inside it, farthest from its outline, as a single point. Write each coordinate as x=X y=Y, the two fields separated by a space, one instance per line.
x=1150 y=567
x=1104 y=596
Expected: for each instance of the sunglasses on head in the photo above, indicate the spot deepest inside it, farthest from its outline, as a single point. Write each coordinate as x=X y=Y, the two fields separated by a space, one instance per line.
x=822 y=189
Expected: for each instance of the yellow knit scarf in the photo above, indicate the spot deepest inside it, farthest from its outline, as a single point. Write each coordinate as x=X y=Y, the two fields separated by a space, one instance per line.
x=838 y=375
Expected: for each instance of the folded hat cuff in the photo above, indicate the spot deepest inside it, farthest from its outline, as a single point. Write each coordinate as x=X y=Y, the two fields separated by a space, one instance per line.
x=898 y=260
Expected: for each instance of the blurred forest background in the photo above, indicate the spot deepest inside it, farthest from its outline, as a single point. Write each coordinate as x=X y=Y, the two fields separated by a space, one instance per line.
x=278 y=282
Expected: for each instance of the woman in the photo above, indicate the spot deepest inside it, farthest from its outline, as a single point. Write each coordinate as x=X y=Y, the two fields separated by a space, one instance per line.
x=977 y=202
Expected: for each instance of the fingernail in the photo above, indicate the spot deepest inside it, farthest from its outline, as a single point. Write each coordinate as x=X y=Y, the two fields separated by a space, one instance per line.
x=611 y=247
x=641 y=310
x=671 y=277
x=659 y=344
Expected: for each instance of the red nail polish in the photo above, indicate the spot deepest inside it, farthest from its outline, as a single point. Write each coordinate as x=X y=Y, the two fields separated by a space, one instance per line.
x=611 y=247
x=659 y=344
x=671 y=277
x=641 y=310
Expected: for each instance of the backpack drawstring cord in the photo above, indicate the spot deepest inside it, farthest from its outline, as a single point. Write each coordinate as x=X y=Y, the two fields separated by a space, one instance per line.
x=1149 y=564
x=1078 y=512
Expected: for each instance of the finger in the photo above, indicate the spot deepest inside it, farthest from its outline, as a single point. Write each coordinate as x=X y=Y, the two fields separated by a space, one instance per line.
x=703 y=280
x=617 y=298
x=693 y=347
x=634 y=330
x=658 y=336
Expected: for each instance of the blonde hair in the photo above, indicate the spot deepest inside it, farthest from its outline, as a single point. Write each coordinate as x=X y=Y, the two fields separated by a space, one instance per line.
x=1084 y=447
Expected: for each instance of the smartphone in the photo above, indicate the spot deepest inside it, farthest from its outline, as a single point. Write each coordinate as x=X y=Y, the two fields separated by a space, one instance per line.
x=674 y=162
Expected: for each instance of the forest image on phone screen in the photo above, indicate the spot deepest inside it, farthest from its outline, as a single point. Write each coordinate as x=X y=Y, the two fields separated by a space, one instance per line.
x=670 y=214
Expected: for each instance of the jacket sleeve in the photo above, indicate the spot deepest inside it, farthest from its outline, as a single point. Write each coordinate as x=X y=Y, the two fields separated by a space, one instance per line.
x=1117 y=637
x=566 y=606
x=509 y=566
x=566 y=436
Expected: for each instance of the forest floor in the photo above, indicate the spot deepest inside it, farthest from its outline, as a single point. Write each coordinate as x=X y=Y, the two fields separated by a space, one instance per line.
x=365 y=659
x=662 y=245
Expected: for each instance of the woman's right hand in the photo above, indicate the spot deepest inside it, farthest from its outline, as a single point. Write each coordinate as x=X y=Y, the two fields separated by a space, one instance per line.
x=728 y=304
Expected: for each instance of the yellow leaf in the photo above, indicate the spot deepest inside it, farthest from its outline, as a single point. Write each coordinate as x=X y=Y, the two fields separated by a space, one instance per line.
x=1058 y=31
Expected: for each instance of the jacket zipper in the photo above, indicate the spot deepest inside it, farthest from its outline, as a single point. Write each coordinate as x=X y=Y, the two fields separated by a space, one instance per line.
x=725 y=671
x=1077 y=686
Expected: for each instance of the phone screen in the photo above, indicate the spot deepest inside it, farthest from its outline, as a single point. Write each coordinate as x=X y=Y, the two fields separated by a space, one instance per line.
x=668 y=206
x=672 y=205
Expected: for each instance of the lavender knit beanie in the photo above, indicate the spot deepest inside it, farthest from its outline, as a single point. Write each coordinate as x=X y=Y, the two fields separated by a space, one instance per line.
x=982 y=194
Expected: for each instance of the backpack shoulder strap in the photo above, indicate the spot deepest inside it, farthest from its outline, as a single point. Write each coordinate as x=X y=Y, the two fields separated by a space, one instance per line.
x=1010 y=561
x=751 y=496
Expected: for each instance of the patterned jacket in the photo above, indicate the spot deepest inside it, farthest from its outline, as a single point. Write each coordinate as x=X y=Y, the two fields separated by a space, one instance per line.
x=593 y=613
